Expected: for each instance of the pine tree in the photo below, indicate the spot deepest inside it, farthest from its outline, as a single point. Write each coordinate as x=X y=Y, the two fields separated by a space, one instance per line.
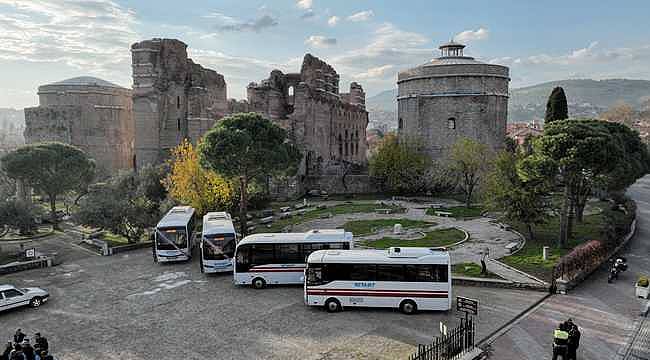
x=556 y=107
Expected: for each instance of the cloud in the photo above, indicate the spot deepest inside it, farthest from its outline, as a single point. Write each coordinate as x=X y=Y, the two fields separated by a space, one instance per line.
x=361 y=16
x=332 y=21
x=319 y=41
x=308 y=14
x=94 y=36
x=376 y=72
x=472 y=35
x=256 y=25
x=304 y=4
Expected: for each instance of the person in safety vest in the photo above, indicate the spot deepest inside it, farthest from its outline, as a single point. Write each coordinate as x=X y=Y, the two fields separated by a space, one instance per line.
x=560 y=342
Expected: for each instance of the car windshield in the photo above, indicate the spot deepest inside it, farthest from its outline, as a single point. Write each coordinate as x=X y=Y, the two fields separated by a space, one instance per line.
x=171 y=238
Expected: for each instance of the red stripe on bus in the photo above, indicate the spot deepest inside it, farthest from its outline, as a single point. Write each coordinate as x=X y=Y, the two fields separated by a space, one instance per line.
x=277 y=270
x=380 y=294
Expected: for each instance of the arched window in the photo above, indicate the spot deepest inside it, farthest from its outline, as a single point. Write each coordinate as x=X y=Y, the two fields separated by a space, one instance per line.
x=356 y=151
x=340 y=146
x=346 y=135
x=400 y=124
x=178 y=124
x=178 y=102
x=451 y=123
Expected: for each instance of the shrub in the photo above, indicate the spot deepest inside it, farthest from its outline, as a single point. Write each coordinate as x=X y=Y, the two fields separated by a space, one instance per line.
x=19 y=215
x=582 y=258
x=643 y=281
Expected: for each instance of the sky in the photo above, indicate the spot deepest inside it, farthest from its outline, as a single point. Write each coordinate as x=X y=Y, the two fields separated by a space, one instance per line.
x=44 y=41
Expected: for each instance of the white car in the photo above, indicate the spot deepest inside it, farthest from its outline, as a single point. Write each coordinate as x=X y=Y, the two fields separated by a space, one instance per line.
x=12 y=297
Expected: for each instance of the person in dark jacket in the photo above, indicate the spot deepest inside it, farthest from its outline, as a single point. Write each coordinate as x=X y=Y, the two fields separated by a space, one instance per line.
x=17 y=353
x=574 y=340
x=8 y=348
x=18 y=336
x=40 y=342
x=28 y=350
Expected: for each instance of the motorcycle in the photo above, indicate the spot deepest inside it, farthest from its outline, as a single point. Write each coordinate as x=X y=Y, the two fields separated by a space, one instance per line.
x=618 y=266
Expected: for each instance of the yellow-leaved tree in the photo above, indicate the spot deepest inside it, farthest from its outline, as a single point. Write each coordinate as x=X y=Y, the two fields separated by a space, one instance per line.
x=190 y=184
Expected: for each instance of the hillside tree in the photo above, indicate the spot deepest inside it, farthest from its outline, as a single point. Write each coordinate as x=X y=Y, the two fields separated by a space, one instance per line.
x=469 y=160
x=51 y=168
x=247 y=146
x=556 y=106
x=191 y=184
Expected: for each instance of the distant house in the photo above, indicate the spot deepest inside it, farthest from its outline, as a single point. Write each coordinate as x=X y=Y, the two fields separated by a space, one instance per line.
x=519 y=131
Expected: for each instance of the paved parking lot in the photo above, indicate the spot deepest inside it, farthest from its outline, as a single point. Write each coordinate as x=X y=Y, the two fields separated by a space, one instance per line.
x=127 y=307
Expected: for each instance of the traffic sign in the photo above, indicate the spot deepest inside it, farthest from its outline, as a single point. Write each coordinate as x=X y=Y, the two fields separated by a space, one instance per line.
x=467 y=305
x=30 y=253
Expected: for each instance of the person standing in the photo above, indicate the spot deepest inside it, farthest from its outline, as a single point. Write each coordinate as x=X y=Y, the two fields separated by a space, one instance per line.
x=40 y=342
x=8 y=348
x=28 y=350
x=560 y=342
x=574 y=340
x=18 y=336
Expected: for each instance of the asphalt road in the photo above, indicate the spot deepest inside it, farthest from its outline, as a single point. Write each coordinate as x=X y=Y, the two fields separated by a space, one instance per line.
x=604 y=312
x=127 y=307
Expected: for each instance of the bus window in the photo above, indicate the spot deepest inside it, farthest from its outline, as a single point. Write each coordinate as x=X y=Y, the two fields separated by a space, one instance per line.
x=390 y=273
x=442 y=273
x=171 y=239
x=315 y=275
x=288 y=254
x=262 y=254
x=242 y=262
x=363 y=272
x=425 y=273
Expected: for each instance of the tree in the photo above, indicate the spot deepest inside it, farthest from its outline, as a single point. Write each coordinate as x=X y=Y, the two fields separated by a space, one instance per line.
x=18 y=215
x=189 y=183
x=122 y=206
x=518 y=186
x=247 y=146
x=556 y=107
x=469 y=161
x=620 y=113
x=7 y=186
x=51 y=168
x=400 y=165
x=581 y=151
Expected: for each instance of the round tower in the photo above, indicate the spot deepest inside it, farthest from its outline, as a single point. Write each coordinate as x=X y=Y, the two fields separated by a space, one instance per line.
x=451 y=97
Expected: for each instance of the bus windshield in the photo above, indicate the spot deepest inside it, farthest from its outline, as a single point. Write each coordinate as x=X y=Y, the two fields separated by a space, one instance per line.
x=218 y=246
x=171 y=238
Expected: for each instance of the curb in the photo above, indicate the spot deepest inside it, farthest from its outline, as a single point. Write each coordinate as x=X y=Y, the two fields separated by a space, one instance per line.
x=31 y=238
x=460 y=242
x=493 y=336
x=521 y=272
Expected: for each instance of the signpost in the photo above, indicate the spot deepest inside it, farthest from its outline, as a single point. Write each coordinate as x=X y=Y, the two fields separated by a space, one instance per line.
x=467 y=305
x=443 y=328
x=30 y=253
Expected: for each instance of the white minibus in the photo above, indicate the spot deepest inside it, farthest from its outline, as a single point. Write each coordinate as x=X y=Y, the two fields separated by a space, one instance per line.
x=174 y=237
x=279 y=258
x=218 y=242
x=409 y=279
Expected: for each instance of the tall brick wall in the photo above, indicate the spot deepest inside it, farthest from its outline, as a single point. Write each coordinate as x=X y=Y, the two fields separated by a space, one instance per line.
x=173 y=98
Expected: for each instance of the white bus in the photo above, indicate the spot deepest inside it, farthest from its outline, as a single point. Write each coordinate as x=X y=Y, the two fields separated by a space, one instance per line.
x=174 y=237
x=410 y=279
x=280 y=258
x=218 y=242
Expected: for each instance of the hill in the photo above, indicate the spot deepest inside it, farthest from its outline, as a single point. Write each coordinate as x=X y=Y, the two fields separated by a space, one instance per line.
x=586 y=98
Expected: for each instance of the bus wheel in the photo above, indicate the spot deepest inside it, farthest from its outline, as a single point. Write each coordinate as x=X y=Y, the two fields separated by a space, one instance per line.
x=258 y=283
x=408 y=307
x=332 y=305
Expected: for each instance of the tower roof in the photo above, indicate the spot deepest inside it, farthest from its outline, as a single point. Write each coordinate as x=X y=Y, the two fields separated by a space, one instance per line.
x=86 y=81
x=451 y=44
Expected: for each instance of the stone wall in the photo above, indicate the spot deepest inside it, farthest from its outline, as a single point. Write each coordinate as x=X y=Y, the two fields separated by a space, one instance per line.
x=173 y=98
x=96 y=118
x=328 y=126
x=333 y=184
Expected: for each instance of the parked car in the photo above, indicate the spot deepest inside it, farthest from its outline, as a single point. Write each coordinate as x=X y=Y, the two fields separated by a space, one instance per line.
x=12 y=297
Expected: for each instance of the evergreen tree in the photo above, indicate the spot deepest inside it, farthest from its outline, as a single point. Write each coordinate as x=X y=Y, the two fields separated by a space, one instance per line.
x=556 y=107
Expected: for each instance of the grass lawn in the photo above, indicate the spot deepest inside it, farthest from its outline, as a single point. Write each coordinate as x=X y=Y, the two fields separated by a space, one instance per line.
x=459 y=211
x=313 y=214
x=6 y=257
x=436 y=238
x=364 y=227
x=118 y=240
x=529 y=258
x=472 y=270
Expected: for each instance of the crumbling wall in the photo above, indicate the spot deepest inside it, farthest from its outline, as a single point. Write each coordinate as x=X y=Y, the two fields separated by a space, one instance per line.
x=173 y=98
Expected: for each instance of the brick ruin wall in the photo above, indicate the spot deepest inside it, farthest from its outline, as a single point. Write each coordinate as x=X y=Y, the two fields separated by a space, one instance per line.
x=97 y=119
x=173 y=98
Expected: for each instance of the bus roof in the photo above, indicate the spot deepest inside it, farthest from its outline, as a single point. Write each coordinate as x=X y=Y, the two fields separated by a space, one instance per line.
x=176 y=217
x=327 y=235
x=394 y=255
x=218 y=223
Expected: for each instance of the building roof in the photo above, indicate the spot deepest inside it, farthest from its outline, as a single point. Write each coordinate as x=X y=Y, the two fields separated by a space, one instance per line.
x=86 y=81
x=451 y=43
